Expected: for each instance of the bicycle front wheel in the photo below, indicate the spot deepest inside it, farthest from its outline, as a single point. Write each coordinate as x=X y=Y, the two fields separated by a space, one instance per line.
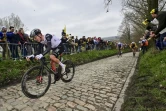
x=35 y=82
x=69 y=72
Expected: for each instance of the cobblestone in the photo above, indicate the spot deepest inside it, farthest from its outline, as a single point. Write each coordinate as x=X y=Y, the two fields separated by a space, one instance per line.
x=79 y=102
x=71 y=104
x=81 y=108
x=96 y=87
x=51 y=108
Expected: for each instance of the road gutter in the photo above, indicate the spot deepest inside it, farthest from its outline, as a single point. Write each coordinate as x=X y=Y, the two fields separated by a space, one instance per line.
x=120 y=100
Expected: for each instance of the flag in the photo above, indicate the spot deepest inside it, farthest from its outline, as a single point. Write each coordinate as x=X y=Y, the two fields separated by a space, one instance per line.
x=145 y=22
x=65 y=29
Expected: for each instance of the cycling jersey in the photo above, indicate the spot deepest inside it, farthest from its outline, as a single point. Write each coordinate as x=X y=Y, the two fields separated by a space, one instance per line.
x=119 y=45
x=133 y=45
x=52 y=42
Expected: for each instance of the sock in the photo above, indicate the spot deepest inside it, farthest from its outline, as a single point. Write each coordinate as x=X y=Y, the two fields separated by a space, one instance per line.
x=60 y=63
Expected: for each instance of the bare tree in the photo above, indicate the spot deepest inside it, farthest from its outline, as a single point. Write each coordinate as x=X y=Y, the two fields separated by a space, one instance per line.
x=125 y=31
x=12 y=20
x=107 y=3
x=136 y=11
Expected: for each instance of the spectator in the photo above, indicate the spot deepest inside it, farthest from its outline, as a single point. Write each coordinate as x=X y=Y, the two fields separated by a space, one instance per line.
x=96 y=43
x=76 y=43
x=65 y=44
x=164 y=41
x=28 y=44
x=23 y=40
x=161 y=29
x=80 y=42
x=13 y=43
x=144 y=44
x=63 y=33
x=72 y=44
x=3 y=41
x=84 y=44
x=91 y=43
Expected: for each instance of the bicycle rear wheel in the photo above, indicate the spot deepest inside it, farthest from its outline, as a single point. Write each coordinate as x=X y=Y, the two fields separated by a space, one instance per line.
x=69 y=72
x=133 y=54
x=35 y=82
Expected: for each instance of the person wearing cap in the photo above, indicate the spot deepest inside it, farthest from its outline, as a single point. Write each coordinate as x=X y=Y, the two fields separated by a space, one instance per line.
x=161 y=28
x=161 y=17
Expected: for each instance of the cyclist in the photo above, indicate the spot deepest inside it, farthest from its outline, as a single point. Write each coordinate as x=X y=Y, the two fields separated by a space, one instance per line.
x=119 y=47
x=133 y=46
x=53 y=43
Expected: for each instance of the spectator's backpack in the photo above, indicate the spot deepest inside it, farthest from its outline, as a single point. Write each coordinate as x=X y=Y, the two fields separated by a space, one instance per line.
x=145 y=43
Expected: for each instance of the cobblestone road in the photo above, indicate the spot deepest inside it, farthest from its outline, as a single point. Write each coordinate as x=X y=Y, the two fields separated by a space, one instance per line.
x=95 y=87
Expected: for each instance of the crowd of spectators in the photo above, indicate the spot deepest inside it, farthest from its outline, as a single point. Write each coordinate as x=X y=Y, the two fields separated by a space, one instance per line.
x=73 y=44
x=12 y=41
x=17 y=44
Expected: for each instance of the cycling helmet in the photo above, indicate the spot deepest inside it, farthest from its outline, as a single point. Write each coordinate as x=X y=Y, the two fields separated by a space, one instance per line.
x=35 y=32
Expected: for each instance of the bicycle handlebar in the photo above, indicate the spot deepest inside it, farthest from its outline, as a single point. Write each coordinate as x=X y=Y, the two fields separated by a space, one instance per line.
x=43 y=59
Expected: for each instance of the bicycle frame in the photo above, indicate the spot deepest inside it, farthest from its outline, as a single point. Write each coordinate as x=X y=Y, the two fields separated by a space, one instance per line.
x=44 y=64
x=56 y=73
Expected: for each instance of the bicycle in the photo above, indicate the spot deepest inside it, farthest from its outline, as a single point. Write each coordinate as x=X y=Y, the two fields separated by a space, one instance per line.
x=134 y=51
x=42 y=73
x=119 y=52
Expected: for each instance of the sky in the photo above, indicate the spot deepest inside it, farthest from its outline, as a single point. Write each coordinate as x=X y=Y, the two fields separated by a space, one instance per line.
x=81 y=17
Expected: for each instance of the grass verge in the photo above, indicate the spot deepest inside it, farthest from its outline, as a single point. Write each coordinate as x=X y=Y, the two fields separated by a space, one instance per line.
x=147 y=89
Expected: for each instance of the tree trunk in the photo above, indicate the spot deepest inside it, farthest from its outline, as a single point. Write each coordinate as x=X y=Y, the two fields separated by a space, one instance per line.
x=152 y=4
